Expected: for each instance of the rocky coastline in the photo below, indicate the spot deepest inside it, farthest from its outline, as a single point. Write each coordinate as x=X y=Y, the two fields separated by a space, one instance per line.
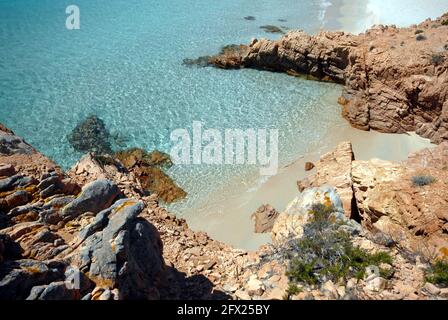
x=395 y=79
x=367 y=230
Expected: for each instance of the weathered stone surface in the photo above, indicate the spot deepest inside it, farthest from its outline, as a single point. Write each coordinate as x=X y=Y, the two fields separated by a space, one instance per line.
x=388 y=201
x=7 y=170
x=94 y=197
x=12 y=144
x=264 y=218
x=334 y=169
x=123 y=252
x=290 y=223
x=17 y=278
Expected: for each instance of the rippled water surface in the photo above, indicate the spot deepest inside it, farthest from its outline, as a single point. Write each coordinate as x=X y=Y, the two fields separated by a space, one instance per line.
x=125 y=65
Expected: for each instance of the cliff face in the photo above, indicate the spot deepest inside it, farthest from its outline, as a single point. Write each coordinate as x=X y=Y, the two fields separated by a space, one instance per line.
x=396 y=79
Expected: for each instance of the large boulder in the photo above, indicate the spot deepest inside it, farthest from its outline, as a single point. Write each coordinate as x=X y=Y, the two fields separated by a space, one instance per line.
x=290 y=223
x=335 y=169
x=120 y=251
x=94 y=197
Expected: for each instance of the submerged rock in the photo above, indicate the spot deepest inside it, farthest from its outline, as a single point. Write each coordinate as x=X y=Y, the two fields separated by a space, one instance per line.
x=91 y=135
x=229 y=57
x=148 y=169
x=249 y=18
x=272 y=29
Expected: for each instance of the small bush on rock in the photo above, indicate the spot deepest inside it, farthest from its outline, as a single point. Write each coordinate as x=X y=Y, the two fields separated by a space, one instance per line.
x=327 y=253
x=421 y=181
x=439 y=273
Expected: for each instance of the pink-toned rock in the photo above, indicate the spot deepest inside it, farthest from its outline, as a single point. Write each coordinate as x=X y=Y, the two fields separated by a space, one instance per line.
x=264 y=218
x=334 y=169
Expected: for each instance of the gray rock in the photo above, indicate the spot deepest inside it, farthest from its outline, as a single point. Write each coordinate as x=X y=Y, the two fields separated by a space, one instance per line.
x=15 y=182
x=19 y=277
x=50 y=216
x=7 y=170
x=12 y=144
x=51 y=180
x=95 y=197
x=58 y=202
x=123 y=251
x=53 y=291
x=45 y=236
x=25 y=209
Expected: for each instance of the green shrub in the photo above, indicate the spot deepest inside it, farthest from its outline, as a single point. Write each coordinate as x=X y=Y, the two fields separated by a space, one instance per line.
x=445 y=22
x=292 y=290
x=326 y=253
x=439 y=273
x=421 y=181
x=418 y=31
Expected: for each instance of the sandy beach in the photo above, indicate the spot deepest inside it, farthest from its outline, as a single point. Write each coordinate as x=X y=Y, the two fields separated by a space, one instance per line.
x=219 y=216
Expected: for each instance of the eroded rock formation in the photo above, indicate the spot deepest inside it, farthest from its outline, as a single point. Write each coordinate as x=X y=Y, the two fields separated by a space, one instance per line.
x=396 y=79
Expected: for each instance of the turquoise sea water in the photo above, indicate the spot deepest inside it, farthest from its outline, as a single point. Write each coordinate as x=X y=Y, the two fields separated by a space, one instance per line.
x=125 y=65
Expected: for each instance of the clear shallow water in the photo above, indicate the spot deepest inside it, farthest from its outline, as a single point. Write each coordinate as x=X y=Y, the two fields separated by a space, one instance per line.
x=125 y=65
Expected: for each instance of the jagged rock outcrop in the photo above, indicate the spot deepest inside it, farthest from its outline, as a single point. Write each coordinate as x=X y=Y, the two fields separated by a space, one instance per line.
x=334 y=169
x=389 y=201
x=110 y=247
x=396 y=79
x=290 y=223
x=119 y=251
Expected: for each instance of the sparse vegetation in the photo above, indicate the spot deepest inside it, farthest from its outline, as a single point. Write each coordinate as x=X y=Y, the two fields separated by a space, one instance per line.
x=292 y=290
x=439 y=273
x=419 y=31
x=445 y=22
x=326 y=253
x=421 y=181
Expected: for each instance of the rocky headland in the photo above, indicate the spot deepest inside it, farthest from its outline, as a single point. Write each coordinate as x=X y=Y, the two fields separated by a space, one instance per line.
x=395 y=79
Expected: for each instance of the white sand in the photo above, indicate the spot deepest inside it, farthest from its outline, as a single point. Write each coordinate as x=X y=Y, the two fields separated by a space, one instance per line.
x=228 y=219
